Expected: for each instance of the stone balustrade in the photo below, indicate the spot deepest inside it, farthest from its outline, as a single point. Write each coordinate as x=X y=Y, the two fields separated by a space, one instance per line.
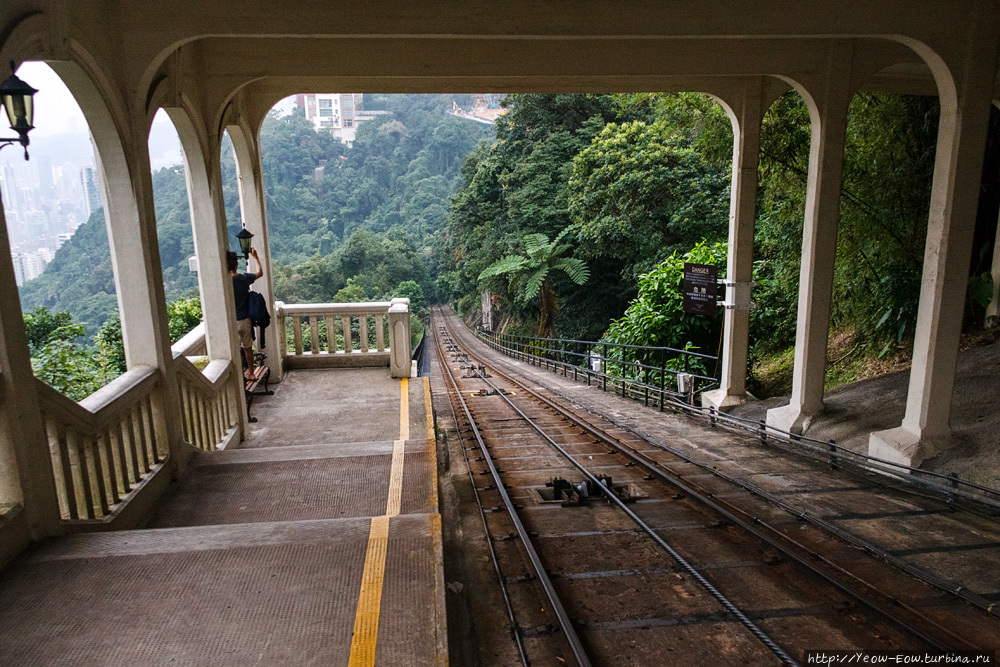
x=210 y=401
x=340 y=335
x=105 y=446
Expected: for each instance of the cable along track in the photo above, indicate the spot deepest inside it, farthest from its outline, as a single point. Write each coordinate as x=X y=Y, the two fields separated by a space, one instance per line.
x=686 y=592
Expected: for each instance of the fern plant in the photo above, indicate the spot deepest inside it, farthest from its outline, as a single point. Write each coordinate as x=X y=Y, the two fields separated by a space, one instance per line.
x=530 y=275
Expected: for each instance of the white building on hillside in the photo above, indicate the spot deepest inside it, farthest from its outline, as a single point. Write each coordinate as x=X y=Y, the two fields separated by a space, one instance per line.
x=338 y=113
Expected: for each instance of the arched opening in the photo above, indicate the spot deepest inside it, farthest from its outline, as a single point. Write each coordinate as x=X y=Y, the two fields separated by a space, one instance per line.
x=171 y=198
x=53 y=205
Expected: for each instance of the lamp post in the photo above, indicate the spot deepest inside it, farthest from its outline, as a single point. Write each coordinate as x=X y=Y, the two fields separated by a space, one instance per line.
x=244 y=237
x=17 y=99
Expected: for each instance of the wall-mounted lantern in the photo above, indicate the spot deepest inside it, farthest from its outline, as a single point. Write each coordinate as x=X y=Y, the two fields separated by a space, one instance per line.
x=244 y=238
x=18 y=101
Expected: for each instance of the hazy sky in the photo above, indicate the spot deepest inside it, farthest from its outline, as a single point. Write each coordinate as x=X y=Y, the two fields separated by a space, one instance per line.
x=56 y=112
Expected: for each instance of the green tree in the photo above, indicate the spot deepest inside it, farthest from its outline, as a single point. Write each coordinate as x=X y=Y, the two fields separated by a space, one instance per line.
x=63 y=364
x=529 y=275
x=110 y=346
x=639 y=193
x=656 y=316
x=411 y=290
x=183 y=315
x=40 y=325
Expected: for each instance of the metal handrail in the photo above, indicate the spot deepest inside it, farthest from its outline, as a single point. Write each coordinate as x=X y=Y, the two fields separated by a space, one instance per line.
x=618 y=345
x=949 y=485
x=628 y=384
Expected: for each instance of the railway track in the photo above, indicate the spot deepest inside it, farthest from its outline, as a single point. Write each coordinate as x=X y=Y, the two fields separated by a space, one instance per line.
x=612 y=550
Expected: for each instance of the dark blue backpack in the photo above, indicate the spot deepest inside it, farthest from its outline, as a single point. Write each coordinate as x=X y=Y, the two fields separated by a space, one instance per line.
x=258 y=310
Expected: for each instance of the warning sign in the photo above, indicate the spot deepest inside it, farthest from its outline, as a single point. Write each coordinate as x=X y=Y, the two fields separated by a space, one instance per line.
x=700 y=289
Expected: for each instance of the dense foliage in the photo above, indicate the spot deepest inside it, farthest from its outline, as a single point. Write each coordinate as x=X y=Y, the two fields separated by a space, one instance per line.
x=395 y=180
x=646 y=176
x=626 y=187
x=345 y=224
x=656 y=317
x=529 y=275
x=636 y=186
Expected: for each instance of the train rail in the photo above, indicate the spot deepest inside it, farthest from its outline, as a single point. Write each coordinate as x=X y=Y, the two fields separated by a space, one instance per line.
x=595 y=537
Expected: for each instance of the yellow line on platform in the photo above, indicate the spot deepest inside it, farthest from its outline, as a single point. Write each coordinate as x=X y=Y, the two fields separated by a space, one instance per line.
x=366 y=617
x=428 y=410
x=404 y=409
x=431 y=446
x=370 y=599
x=396 y=479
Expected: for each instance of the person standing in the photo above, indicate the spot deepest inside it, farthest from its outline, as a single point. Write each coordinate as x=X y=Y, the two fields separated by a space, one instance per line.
x=241 y=296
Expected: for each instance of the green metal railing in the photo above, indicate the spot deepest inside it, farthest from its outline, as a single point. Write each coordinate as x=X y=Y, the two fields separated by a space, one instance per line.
x=650 y=374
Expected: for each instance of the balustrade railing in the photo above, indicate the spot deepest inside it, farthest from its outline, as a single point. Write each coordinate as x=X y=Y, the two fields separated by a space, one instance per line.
x=209 y=408
x=332 y=335
x=210 y=401
x=192 y=344
x=103 y=447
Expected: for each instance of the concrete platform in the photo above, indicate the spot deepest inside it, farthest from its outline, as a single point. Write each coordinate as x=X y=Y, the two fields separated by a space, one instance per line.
x=312 y=547
x=334 y=406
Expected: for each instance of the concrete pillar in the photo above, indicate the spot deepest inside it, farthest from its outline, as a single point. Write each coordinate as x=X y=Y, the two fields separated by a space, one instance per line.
x=127 y=193
x=966 y=93
x=203 y=172
x=747 y=112
x=993 y=310
x=399 y=338
x=251 y=185
x=828 y=114
x=25 y=464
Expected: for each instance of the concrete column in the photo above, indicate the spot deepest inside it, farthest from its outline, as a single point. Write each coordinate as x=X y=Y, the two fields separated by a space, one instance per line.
x=210 y=242
x=252 y=207
x=965 y=111
x=399 y=338
x=202 y=168
x=828 y=114
x=25 y=464
x=747 y=112
x=130 y=216
x=993 y=310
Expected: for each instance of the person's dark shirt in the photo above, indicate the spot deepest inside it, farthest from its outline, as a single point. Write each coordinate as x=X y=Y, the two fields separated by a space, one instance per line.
x=241 y=294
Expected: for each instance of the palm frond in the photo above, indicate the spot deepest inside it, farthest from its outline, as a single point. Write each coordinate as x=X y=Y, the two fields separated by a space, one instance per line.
x=534 y=283
x=508 y=264
x=575 y=268
x=535 y=242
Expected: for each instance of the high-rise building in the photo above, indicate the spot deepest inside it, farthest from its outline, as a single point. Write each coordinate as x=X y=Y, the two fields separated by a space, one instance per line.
x=338 y=113
x=92 y=189
x=30 y=265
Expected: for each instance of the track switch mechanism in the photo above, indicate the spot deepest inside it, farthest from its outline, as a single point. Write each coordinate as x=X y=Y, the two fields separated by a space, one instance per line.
x=580 y=493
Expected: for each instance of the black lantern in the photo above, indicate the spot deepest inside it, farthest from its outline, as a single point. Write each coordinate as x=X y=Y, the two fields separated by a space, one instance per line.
x=17 y=99
x=244 y=238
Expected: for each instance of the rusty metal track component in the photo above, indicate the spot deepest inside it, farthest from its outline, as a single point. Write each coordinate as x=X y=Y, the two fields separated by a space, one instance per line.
x=566 y=625
x=486 y=530
x=928 y=578
x=755 y=526
x=730 y=513
x=685 y=565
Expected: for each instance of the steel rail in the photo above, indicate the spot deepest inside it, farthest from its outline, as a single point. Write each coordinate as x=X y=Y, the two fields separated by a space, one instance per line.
x=726 y=603
x=687 y=487
x=569 y=632
x=683 y=562
x=486 y=529
x=944 y=585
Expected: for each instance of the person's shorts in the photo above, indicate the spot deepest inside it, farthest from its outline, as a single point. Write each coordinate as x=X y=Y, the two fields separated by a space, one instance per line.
x=243 y=329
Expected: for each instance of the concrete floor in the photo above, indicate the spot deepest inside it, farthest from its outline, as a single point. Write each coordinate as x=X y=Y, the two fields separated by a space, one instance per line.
x=257 y=556
x=975 y=417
